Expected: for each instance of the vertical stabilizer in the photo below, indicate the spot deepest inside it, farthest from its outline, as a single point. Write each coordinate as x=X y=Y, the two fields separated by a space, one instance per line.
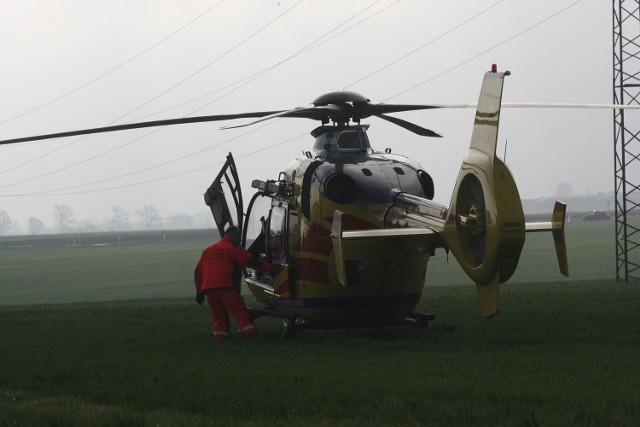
x=485 y=127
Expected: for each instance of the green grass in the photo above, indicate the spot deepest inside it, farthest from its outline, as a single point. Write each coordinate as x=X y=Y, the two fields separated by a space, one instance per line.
x=98 y=273
x=146 y=268
x=561 y=351
x=558 y=354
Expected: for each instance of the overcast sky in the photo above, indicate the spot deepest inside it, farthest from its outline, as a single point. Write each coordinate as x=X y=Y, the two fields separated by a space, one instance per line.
x=73 y=64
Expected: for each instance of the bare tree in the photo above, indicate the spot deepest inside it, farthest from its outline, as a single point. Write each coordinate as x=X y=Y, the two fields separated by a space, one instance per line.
x=86 y=225
x=120 y=218
x=5 y=222
x=203 y=220
x=63 y=215
x=148 y=215
x=35 y=225
x=564 y=189
x=180 y=221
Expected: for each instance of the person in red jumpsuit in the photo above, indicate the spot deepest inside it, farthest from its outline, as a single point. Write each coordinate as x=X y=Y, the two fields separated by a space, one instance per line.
x=217 y=277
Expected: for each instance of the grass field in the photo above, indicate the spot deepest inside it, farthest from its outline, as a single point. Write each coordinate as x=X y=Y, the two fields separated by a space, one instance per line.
x=58 y=270
x=561 y=351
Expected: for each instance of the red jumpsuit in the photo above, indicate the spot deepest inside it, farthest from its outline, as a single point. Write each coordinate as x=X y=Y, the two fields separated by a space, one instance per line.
x=214 y=276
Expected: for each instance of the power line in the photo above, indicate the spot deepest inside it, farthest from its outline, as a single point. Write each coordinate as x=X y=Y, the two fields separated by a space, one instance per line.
x=42 y=21
x=93 y=81
x=485 y=51
x=145 y=103
x=248 y=79
x=425 y=44
x=164 y=178
x=318 y=42
x=269 y=147
x=228 y=51
x=147 y=168
x=308 y=47
x=82 y=161
x=103 y=75
x=488 y=50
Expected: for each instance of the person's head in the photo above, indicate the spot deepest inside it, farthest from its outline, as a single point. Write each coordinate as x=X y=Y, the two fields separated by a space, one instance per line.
x=233 y=233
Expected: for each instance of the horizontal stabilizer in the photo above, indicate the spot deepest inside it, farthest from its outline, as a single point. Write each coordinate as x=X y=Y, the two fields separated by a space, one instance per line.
x=387 y=232
x=556 y=227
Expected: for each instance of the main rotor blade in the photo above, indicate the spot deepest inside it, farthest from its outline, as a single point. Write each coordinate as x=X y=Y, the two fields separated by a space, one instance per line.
x=116 y=128
x=570 y=105
x=409 y=126
x=320 y=112
x=339 y=113
x=285 y=113
x=365 y=110
x=548 y=105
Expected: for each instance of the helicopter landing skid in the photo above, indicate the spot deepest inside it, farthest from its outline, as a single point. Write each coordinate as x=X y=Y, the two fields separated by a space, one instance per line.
x=291 y=326
x=419 y=320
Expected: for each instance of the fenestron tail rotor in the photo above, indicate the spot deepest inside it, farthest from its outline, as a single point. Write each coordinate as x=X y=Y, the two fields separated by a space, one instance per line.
x=471 y=219
x=485 y=229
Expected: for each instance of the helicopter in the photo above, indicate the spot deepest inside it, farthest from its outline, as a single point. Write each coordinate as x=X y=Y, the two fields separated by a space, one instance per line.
x=352 y=229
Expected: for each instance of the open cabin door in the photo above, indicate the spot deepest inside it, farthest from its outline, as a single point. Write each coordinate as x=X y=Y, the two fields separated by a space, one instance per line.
x=277 y=240
x=224 y=197
x=277 y=248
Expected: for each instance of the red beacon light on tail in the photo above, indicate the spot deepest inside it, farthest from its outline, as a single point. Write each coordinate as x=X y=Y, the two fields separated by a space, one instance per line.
x=494 y=68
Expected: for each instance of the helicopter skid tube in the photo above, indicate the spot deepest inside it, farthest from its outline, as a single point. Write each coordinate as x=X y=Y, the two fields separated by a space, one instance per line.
x=290 y=320
x=419 y=320
x=293 y=326
x=270 y=312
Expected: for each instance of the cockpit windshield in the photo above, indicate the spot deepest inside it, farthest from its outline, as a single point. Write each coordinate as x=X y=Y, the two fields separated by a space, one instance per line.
x=349 y=141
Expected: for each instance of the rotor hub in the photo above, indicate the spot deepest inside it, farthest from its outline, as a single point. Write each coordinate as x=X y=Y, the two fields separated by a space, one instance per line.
x=339 y=97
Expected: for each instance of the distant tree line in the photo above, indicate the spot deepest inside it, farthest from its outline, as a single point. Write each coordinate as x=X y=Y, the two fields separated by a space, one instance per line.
x=575 y=204
x=148 y=217
x=64 y=221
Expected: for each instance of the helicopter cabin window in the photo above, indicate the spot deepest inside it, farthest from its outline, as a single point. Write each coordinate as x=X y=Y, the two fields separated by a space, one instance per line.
x=277 y=235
